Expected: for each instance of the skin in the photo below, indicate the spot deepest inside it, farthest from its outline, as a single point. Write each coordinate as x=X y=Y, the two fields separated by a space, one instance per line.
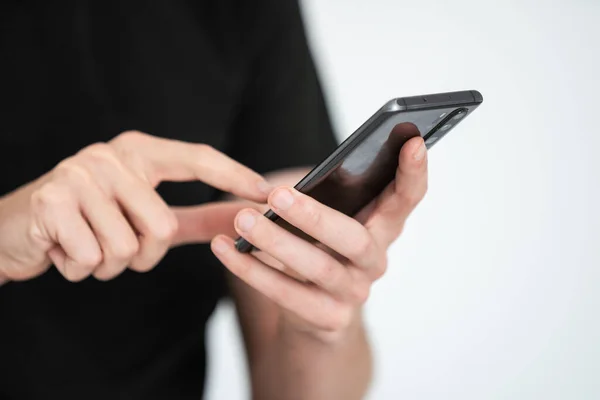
x=97 y=213
x=299 y=304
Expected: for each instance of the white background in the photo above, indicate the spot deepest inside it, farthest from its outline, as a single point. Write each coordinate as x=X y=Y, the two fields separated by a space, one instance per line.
x=493 y=291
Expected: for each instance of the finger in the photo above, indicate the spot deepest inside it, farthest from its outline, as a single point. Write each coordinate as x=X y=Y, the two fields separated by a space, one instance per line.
x=149 y=215
x=400 y=198
x=57 y=218
x=199 y=224
x=342 y=234
x=272 y=262
x=146 y=211
x=117 y=239
x=171 y=160
x=303 y=257
x=308 y=302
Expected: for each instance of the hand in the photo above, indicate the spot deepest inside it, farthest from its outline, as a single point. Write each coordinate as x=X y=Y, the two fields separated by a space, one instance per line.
x=330 y=281
x=97 y=212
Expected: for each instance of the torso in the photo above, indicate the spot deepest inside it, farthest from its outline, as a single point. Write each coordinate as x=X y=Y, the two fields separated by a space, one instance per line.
x=81 y=72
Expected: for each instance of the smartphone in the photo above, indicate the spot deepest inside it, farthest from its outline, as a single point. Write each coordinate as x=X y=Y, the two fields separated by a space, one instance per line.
x=366 y=162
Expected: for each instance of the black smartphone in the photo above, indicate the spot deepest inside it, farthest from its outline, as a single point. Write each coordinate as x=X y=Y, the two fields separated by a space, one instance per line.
x=366 y=162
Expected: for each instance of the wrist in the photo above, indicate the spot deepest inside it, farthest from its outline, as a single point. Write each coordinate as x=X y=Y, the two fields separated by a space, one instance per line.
x=313 y=364
x=20 y=257
x=292 y=329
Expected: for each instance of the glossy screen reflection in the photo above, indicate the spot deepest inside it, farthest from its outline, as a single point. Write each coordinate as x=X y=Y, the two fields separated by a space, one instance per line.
x=371 y=166
x=366 y=171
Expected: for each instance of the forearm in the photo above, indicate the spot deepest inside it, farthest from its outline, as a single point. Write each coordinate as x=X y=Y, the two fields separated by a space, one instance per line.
x=299 y=366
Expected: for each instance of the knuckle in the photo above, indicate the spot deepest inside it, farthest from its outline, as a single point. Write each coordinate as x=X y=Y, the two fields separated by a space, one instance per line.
x=381 y=266
x=203 y=148
x=328 y=274
x=76 y=271
x=412 y=196
x=361 y=292
x=35 y=232
x=142 y=265
x=131 y=158
x=74 y=276
x=100 y=153
x=102 y=275
x=242 y=269
x=106 y=274
x=208 y=161
x=50 y=194
x=124 y=249
x=267 y=240
x=172 y=225
x=72 y=171
x=310 y=214
x=131 y=137
x=421 y=192
x=265 y=234
x=91 y=260
x=165 y=229
x=362 y=246
x=408 y=197
x=338 y=320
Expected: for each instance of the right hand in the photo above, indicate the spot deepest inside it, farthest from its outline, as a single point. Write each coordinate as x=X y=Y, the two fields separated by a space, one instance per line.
x=97 y=212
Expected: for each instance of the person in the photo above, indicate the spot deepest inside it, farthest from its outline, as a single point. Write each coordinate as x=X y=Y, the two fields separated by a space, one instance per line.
x=229 y=103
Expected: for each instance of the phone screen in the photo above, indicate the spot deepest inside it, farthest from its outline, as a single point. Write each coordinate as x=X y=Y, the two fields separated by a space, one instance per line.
x=368 y=168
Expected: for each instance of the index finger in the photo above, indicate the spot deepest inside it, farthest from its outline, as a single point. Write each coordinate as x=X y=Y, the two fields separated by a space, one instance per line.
x=177 y=161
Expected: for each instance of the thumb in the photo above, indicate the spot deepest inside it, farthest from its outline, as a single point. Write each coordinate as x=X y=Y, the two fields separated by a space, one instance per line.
x=400 y=198
x=199 y=224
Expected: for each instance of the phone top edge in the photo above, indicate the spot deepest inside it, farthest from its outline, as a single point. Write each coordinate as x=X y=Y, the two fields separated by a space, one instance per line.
x=477 y=96
x=436 y=100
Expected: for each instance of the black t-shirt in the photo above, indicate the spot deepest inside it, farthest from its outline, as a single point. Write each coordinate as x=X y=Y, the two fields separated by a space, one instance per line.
x=237 y=75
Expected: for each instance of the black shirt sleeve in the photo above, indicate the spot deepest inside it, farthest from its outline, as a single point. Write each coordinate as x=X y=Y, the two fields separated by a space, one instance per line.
x=283 y=121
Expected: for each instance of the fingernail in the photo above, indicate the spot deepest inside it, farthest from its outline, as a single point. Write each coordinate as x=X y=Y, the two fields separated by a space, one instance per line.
x=245 y=221
x=282 y=199
x=419 y=154
x=219 y=246
x=265 y=187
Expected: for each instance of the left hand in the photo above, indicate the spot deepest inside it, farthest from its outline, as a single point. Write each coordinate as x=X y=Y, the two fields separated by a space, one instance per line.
x=340 y=270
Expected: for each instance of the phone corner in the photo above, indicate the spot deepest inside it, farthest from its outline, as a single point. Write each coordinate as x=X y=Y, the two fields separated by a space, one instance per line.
x=395 y=105
x=477 y=96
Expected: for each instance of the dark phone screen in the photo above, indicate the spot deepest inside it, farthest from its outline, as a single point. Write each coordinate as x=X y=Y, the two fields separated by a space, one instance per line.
x=370 y=166
x=365 y=172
